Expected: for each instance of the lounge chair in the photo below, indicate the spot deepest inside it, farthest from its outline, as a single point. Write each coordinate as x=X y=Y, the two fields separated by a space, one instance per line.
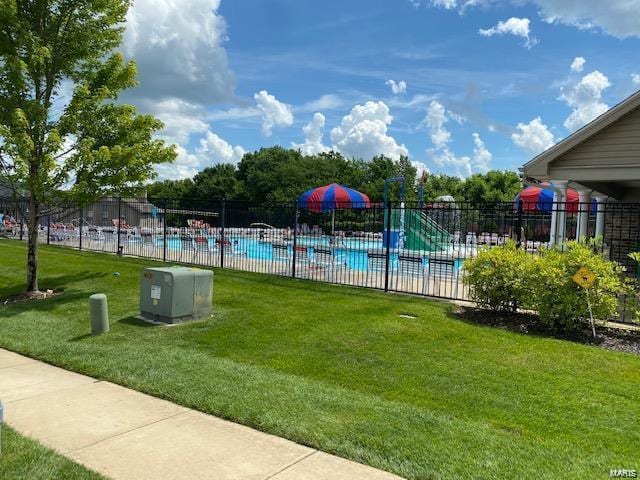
x=443 y=269
x=411 y=275
x=376 y=263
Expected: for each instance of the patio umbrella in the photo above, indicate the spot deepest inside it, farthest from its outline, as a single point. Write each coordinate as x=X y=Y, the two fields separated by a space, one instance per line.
x=540 y=199
x=331 y=198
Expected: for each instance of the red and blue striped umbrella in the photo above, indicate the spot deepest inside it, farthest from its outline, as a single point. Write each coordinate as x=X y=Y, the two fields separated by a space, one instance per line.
x=331 y=197
x=540 y=199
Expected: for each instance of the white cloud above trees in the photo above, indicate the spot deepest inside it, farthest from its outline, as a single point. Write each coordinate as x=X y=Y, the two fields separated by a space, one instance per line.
x=533 y=137
x=585 y=99
x=275 y=114
x=313 y=135
x=441 y=153
x=363 y=133
x=182 y=69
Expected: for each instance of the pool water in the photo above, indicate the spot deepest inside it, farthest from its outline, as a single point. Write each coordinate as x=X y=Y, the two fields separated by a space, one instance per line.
x=352 y=252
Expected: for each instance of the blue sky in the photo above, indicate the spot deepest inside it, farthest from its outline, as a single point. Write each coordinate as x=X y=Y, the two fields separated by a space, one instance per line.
x=488 y=83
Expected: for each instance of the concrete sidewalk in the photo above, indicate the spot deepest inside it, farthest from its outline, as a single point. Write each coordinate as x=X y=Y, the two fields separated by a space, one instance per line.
x=125 y=434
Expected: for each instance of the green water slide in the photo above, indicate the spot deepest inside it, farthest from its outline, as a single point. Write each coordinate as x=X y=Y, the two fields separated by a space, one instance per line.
x=420 y=232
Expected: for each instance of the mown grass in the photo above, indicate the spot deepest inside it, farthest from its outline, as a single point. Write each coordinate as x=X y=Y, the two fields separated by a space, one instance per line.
x=339 y=369
x=25 y=459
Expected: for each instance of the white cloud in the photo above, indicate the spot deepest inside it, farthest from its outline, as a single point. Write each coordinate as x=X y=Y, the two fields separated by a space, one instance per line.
x=635 y=78
x=578 y=64
x=446 y=158
x=397 y=87
x=449 y=4
x=234 y=113
x=182 y=70
x=417 y=102
x=181 y=119
x=214 y=149
x=481 y=156
x=616 y=17
x=585 y=98
x=533 y=137
x=513 y=26
x=211 y=150
x=186 y=165
x=363 y=133
x=436 y=120
x=178 y=49
x=274 y=112
x=421 y=168
x=325 y=102
x=313 y=133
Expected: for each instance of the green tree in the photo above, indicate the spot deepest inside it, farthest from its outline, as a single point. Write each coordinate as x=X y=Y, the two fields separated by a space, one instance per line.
x=80 y=148
x=493 y=186
x=440 y=184
x=382 y=168
x=172 y=189
x=217 y=183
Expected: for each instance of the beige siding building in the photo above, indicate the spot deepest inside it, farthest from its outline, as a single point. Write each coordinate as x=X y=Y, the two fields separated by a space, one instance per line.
x=603 y=157
x=602 y=162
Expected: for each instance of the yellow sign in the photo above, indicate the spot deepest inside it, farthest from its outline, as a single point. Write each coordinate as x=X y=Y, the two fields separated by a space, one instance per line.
x=585 y=278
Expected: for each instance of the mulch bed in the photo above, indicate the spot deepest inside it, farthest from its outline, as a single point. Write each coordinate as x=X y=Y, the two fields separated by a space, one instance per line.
x=29 y=297
x=608 y=337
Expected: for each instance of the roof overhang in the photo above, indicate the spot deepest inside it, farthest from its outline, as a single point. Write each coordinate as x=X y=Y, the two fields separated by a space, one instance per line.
x=542 y=167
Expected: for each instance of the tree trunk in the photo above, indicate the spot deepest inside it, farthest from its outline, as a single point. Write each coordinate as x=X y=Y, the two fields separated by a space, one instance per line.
x=32 y=242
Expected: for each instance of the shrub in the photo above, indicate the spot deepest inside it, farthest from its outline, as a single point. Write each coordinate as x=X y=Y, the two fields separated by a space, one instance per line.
x=499 y=277
x=560 y=302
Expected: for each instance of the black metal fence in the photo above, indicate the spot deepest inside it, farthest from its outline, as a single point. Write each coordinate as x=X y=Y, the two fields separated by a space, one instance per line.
x=417 y=249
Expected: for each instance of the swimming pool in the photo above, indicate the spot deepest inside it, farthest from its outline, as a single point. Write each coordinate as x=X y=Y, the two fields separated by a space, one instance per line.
x=351 y=252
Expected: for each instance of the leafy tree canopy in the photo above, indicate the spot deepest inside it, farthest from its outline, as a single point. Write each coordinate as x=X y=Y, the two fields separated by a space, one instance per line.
x=79 y=146
x=280 y=175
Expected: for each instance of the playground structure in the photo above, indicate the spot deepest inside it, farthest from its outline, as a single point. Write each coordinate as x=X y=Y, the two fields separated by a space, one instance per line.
x=411 y=229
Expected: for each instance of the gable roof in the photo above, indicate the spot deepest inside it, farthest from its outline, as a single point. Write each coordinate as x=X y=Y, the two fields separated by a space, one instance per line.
x=580 y=136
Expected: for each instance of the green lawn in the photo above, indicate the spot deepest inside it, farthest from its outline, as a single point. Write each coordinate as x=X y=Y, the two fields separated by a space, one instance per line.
x=25 y=459
x=338 y=369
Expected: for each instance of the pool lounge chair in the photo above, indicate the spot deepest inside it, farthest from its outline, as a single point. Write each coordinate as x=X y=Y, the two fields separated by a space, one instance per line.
x=443 y=276
x=376 y=266
x=411 y=275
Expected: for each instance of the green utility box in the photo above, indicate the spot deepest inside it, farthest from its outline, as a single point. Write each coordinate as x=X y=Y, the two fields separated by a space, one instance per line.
x=175 y=294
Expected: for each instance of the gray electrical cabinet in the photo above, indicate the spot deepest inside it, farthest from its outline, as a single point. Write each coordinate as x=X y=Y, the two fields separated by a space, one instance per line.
x=175 y=294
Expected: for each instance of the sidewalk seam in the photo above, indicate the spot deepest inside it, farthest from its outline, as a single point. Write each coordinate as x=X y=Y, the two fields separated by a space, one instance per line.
x=70 y=452
x=53 y=391
x=292 y=464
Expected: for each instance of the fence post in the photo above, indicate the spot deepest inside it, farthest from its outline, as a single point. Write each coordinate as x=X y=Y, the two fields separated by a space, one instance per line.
x=388 y=250
x=164 y=233
x=49 y=229
x=119 y=225
x=295 y=242
x=519 y=225
x=80 y=224
x=223 y=215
